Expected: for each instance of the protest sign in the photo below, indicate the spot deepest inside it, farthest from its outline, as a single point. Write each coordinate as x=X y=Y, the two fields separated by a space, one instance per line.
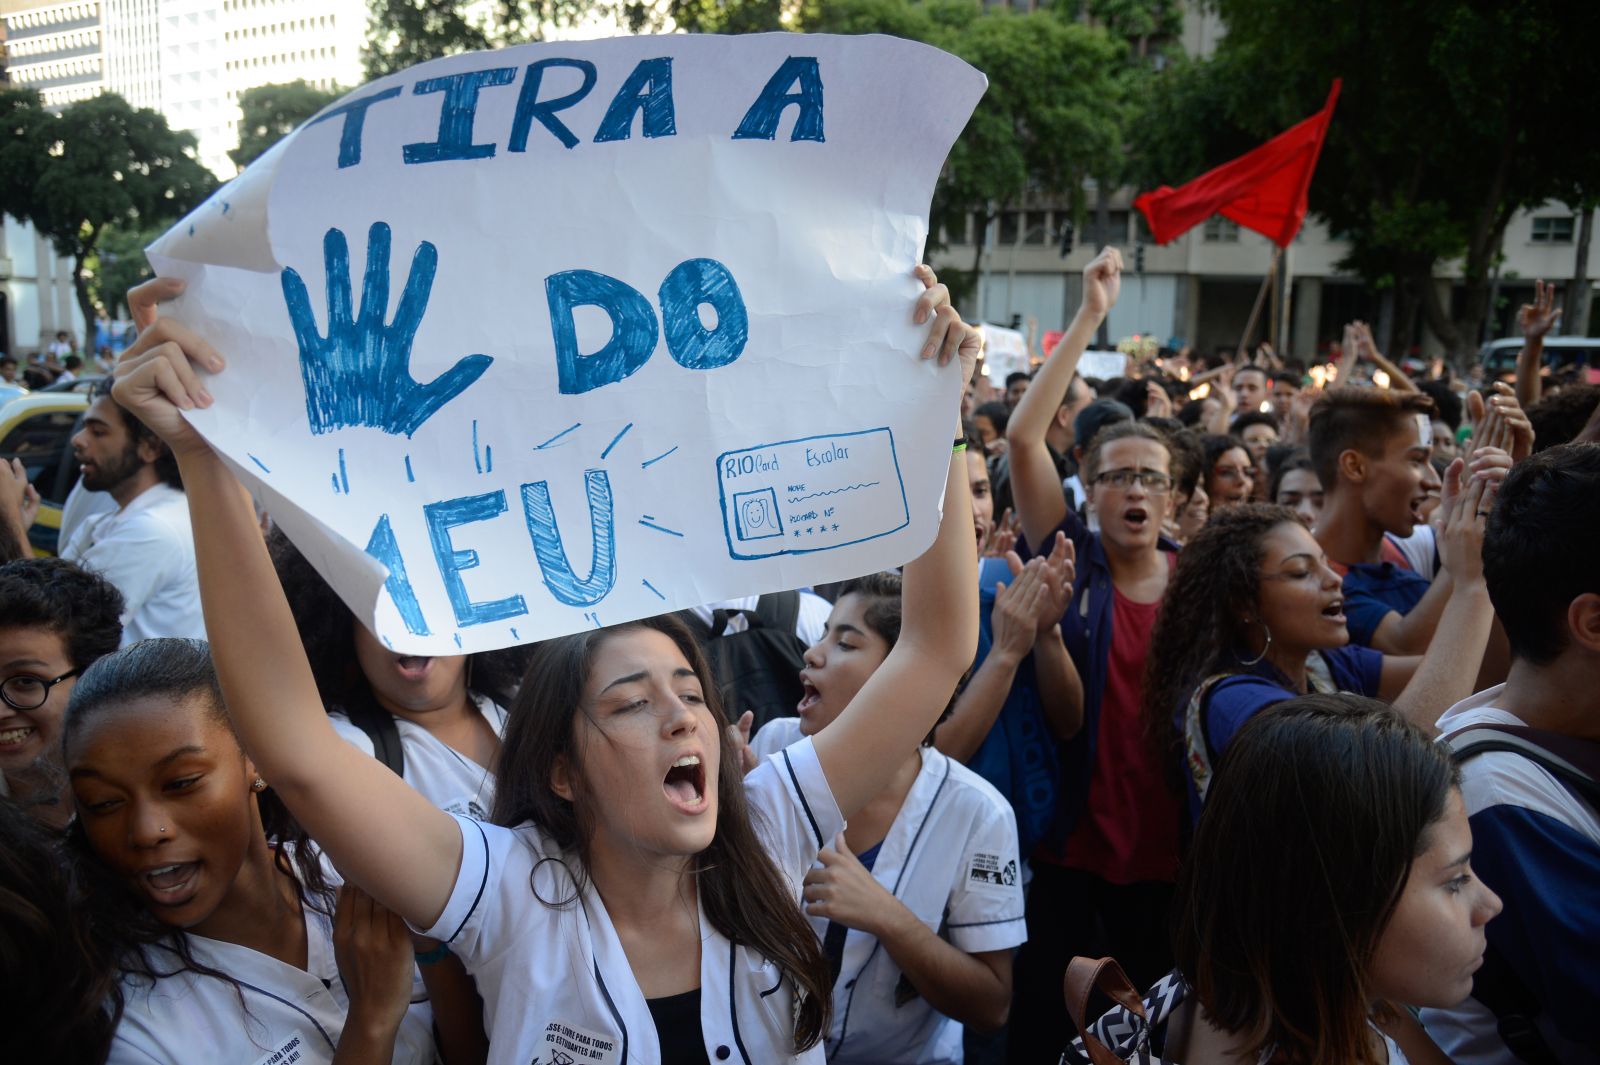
x=1005 y=351
x=1103 y=365
x=720 y=394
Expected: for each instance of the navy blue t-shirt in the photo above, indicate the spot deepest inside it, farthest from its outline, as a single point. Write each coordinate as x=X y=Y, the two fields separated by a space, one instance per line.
x=1236 y=699
x=1372 y=590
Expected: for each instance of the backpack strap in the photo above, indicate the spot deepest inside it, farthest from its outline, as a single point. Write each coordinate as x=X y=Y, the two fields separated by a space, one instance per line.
x=1560 y=756
x=379 y=726
x=702 y=632
x=1319 y=675
x=1496 y=985
x=778 y=610
x=1198 y=753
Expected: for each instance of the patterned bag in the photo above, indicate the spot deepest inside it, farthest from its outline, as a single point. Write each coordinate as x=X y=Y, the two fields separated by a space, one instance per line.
x=1122 y=1035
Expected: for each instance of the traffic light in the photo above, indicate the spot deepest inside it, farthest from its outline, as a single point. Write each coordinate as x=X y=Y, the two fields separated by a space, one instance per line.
x=1066 y=238
x=1138 y=259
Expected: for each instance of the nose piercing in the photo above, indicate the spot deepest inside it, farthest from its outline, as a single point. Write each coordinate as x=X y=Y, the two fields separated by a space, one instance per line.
x=163 y=831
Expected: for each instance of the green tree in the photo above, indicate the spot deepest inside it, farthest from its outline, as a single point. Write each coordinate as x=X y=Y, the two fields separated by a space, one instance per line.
x=402 y=33
x=100 y=162
x=1049 y=118
x=268 y=113
x=1453 y=117
x=118 y=264
x=22 y=119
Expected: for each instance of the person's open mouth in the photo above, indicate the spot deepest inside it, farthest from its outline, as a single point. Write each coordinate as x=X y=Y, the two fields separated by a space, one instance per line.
x=809 y=697
x=413 y=667
x=173 y=884
x=685 y=784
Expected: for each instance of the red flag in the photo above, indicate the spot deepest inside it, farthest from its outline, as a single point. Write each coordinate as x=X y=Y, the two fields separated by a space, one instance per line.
x=1264 y=189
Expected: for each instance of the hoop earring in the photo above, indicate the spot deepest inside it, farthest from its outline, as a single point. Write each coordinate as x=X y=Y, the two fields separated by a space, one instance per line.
x=1264 y=649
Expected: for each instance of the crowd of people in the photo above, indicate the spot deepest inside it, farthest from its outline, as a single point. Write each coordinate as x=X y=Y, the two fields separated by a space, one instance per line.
x=1281 y=688
x=57 y=363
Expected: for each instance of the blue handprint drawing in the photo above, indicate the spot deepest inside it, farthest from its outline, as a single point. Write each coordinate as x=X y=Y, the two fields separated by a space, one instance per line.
x=360 y=373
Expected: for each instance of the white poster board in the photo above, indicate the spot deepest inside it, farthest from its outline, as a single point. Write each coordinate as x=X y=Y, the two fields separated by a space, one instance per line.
x=563 y=335
x=1103 y=365
x=1005 y=351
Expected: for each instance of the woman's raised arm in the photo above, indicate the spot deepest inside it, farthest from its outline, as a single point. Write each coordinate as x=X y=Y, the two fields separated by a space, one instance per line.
x=939 y=634
x=382 y=835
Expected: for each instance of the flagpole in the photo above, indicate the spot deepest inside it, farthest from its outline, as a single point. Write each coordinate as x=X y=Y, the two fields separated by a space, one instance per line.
x=1286 y=303
x=1261 y=299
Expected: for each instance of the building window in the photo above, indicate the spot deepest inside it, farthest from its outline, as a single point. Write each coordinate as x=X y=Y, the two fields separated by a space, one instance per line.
x=1008 y=229
x=1220 y=230
x=1553 y=229
x=1036 y=227
x=1116 y=227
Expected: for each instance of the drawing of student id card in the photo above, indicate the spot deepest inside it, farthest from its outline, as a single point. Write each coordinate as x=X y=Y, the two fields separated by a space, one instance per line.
x=811 y=494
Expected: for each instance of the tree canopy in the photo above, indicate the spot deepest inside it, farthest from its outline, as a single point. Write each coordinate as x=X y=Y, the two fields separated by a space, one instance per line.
x=270 y=112
x=402 y=33
x=100 y=162
x=1060 y=78
x=1453 y=117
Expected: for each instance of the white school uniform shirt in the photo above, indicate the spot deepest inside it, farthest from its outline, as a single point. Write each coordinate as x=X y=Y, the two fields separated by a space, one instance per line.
x=278 y=1015
x=555 y=981
x=444 y=776
x=951 y=858
x=146 y=549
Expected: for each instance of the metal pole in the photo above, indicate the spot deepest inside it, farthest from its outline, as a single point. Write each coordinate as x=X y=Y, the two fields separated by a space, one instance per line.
x=1286 y=300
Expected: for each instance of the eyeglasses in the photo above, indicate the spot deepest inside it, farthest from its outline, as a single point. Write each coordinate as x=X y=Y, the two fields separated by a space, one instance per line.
x=1153 y=481
x=27 y=692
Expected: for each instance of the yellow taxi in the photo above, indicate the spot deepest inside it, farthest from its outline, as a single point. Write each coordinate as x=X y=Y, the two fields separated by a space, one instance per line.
x=37 y=428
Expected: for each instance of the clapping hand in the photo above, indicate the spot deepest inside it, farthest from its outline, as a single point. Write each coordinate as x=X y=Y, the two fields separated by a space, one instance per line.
x=1002 y=537
x=1500 y=422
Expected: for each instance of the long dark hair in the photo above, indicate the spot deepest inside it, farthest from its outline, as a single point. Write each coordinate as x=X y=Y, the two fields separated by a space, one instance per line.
x=177 y=671
x=59 y=977
x=741 y=891
x=1318 y=809
x=327 y=630
x=1201 y=626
